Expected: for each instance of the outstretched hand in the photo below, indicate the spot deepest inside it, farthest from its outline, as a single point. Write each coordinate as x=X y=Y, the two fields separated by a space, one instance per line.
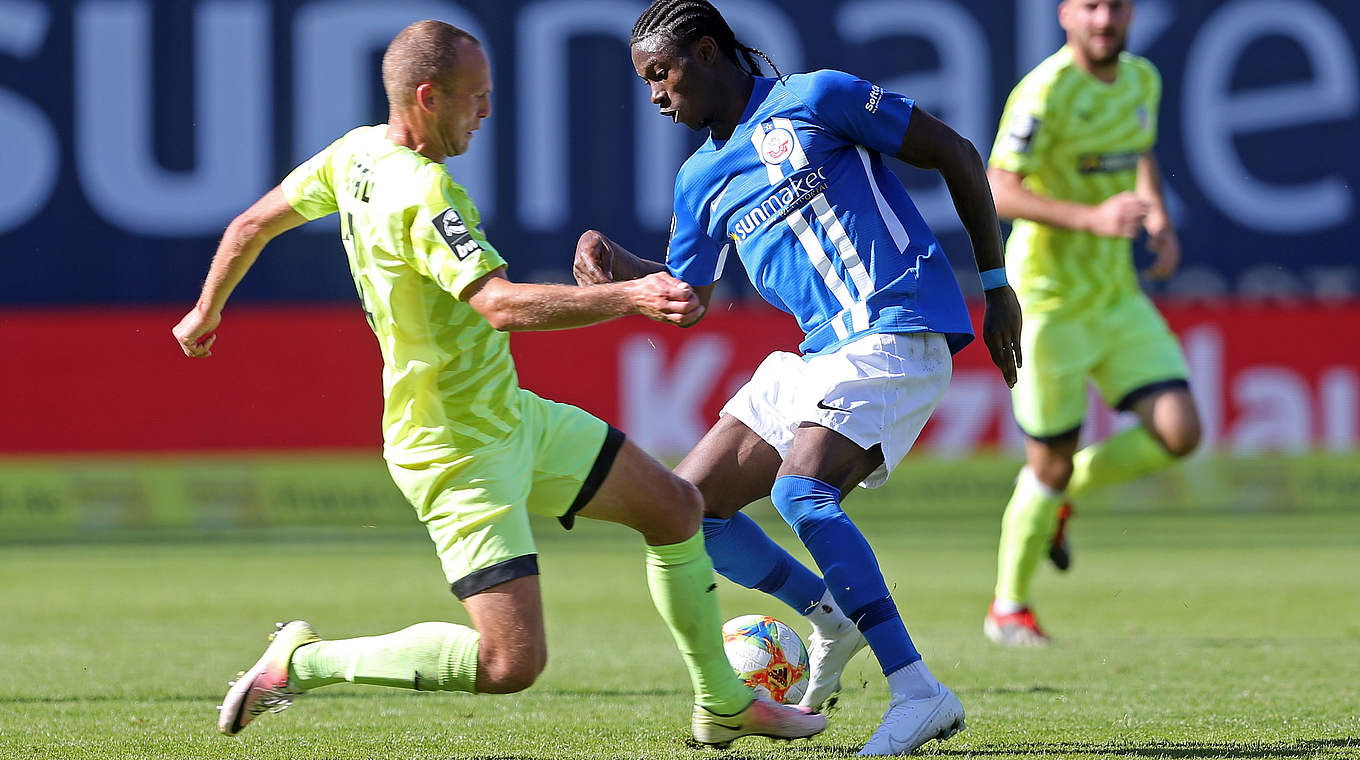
x=1001 y=331
x=663 y=298
x=195 y=335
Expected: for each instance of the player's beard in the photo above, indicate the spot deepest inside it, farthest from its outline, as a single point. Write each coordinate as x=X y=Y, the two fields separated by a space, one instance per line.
x=1109 y=58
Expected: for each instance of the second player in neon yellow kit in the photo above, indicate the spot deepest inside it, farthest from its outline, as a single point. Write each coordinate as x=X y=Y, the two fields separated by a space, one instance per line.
x=1072 y=165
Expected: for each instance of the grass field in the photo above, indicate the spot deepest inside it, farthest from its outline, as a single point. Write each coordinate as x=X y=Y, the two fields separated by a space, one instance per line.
x=1177 y=635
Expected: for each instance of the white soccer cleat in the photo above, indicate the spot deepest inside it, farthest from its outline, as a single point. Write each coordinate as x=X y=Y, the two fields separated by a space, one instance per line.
x=266 y=686
x=909 y=723
x=827 y=658
x=763 y=717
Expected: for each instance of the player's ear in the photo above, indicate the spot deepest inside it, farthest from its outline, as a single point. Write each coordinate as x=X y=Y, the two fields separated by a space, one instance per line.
x=425 y=96
x=706 y=50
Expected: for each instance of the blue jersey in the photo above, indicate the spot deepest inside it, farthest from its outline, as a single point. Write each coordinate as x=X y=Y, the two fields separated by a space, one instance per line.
x=826 y=231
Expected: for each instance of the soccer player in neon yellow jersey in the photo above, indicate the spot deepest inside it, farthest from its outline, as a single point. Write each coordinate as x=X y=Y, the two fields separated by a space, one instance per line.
x=472 y=451
x=1072 y=165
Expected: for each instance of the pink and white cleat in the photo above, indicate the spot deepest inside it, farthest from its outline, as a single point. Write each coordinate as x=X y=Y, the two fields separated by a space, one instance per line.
x=266 y=685
x=763 y=717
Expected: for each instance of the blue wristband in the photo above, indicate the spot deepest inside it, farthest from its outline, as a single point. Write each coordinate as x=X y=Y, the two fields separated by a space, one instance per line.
x=993 y=278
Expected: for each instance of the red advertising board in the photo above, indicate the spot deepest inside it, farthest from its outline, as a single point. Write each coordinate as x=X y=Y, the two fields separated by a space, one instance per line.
x=1266 y=377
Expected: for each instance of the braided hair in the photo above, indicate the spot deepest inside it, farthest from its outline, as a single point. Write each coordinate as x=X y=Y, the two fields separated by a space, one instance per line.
x=685 y=21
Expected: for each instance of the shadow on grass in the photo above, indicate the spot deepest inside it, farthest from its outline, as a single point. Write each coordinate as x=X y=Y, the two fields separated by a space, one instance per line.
x=376 y=694
x=1243 y=749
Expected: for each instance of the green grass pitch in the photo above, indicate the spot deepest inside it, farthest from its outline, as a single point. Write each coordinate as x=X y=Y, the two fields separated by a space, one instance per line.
x=1178 y=634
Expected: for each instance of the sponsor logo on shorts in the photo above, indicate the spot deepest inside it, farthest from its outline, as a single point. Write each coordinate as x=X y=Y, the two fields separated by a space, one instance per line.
x=455 y=233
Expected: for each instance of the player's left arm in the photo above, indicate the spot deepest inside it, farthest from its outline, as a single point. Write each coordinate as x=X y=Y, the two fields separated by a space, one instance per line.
x=931 y=144
x=246 y=236
x=1162 y=238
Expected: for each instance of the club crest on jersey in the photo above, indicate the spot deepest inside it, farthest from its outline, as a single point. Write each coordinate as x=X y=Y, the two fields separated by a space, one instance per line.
x=776 y=146
x=455 y=233
x=1142 y=114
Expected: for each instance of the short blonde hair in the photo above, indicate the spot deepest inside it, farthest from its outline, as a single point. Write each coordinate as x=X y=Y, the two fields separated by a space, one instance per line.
x=426 y=51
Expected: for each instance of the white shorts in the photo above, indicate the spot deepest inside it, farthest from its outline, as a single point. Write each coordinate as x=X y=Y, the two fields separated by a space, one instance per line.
x=879 y=389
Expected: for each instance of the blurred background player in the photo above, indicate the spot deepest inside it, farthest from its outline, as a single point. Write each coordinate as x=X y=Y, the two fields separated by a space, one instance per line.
x=1072 y=165
x=472 y=451
x=792 y=180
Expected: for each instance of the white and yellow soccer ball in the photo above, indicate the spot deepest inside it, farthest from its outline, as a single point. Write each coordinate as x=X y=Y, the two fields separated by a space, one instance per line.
x=768 y=656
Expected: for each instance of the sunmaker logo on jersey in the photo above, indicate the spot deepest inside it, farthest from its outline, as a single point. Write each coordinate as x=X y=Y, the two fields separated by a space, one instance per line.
x=455 y=233
x=789 y=196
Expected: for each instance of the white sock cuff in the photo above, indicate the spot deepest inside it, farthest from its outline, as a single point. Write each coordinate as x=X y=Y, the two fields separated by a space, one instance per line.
x=1029 y=480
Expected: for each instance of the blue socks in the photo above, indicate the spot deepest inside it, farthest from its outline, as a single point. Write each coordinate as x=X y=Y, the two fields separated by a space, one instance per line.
x=847 y=562
x=743 y=554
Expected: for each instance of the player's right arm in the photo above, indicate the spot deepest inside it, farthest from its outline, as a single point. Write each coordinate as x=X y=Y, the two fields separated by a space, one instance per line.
x=599 y=260
x=1120 y=215
x=451 y=249
x=1028 y=132
x=519 y=306
x=245 y=237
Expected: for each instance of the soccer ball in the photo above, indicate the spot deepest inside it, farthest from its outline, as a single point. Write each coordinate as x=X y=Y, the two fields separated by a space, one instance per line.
x=768 y=656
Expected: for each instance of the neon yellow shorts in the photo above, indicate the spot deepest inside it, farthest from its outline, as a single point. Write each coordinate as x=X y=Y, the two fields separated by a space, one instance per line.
x=1125 y=350
x=476 y=505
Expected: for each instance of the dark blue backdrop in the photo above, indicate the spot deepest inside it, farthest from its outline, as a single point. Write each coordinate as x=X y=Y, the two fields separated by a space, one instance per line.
x=131 y=131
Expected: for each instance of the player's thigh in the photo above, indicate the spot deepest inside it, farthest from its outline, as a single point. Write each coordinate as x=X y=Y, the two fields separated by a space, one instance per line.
x=570 y=453
x=473 y=506
x=1141 y=356
x=731 y=465
x=872 y=397
x=582 y=467
x=1049 y=397
x=641 y=493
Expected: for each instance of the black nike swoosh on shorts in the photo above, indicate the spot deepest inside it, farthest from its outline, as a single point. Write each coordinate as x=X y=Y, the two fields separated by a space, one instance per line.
x=822 y=405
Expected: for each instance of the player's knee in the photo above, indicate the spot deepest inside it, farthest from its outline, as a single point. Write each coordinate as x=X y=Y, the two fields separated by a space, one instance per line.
x=1182 y=440
x=680 y=516
x=507 y=672
x=1054 y=472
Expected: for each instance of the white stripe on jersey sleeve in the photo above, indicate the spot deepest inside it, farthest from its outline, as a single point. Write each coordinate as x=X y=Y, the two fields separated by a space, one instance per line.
x=722 y=261
x=899 y=233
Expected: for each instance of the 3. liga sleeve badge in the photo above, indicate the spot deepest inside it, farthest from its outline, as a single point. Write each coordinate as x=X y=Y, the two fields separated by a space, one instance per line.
x=455 y=233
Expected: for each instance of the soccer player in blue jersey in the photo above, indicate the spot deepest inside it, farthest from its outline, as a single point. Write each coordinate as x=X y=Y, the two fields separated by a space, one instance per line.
x=792 y=180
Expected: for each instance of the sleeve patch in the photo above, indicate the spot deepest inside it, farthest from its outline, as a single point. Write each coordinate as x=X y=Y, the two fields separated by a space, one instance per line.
x=455 y=233
x=1023 y=128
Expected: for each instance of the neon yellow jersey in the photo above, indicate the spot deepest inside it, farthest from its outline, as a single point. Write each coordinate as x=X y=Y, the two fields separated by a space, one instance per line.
x=414 y=242
x=1075 y=138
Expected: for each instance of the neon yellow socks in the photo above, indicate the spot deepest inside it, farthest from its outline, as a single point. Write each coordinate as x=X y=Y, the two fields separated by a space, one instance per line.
x=684 y=592
x=425 y=657
x=1123 y=456
x=1027 y=527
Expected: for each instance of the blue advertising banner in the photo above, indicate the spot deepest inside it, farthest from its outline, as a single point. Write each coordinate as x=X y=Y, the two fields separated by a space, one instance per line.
x=132 y=131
